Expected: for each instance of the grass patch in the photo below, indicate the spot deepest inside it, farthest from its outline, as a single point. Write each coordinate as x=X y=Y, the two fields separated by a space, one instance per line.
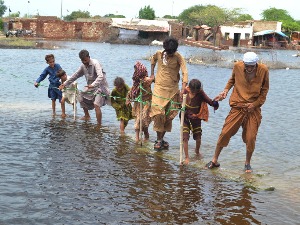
x=17 y=42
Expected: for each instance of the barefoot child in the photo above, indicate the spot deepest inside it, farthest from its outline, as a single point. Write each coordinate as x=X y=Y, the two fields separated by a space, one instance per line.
x=51 y=70
x=195 y=110
x=68 y=94
x=141 y=75
x=118 y=102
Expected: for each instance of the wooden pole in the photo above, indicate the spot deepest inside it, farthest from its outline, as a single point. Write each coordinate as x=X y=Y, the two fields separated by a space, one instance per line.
x=181 y=127
x=141 y=114
x=74 y=102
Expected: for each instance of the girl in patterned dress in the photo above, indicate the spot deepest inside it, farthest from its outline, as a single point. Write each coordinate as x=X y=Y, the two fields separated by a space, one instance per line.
x=118 y=102
x=140 y=75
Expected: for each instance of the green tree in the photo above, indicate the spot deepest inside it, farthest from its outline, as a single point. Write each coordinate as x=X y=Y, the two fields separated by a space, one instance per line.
x=1 y=24
x=3 y=8
x=244 y=17
x=185 y=16
x=147 y=13
x=281 y=15
x=237 y=15
x=114 y=16
x=16 y=14
x=77 y=14
x=210 y=15
x=273 y=14
x=170 y=17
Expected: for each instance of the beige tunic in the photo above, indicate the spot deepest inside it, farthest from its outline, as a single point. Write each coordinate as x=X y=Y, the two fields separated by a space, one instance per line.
x=166 y=80
x=96 y=77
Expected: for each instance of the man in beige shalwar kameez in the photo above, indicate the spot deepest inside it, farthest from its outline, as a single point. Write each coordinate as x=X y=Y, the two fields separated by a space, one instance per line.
x=96 y=91
x=251 y=85
x=166 y=94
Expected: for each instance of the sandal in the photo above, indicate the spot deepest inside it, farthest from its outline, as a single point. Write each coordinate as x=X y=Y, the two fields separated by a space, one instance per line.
x=248 y=168
x=158 y=145
x=165 y=144
x=212 y=165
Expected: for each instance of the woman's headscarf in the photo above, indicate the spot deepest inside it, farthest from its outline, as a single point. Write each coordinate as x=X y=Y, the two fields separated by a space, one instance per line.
x=139 y=74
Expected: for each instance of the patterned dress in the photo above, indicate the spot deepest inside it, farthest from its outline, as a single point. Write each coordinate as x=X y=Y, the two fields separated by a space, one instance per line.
x=118 y=102
x=139 y=75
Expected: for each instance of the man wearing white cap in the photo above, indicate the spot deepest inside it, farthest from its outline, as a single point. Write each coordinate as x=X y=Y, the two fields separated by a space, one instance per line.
x=250 y=82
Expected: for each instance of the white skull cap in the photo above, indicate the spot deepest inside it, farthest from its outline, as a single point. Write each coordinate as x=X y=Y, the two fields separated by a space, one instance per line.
x=250 y=58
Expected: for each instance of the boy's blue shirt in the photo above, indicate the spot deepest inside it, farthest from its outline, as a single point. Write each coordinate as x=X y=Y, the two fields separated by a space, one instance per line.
x=53 y=79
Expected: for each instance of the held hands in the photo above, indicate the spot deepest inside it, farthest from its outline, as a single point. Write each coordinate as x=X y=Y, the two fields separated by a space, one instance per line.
x=215 y=104
x=148 y=80
x=89 y=86
x=127 y=102
x=62 y=86
x=221 y=96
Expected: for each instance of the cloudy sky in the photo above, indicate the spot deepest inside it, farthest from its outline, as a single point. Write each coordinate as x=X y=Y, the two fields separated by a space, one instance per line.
x=130 y=8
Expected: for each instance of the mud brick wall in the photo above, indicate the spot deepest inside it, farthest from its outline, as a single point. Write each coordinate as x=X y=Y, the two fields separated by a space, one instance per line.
x=176 y=30
x=89 y=31
x=264 y=25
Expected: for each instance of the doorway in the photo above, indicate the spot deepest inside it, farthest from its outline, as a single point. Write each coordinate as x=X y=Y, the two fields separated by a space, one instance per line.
x=236 y=40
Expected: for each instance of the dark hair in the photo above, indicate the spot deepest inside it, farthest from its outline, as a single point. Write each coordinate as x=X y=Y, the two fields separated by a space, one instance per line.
x=195 y=85
x=170 y=45
x=48 y=57
x=60 y=73
x=119 y=81
x=83 y=54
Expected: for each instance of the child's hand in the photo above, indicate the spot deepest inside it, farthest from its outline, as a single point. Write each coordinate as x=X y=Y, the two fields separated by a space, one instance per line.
x=215 y=104
x=62 y=86
x=36 y=84
x=194 y=116
x=148 y=81
x=221 y=96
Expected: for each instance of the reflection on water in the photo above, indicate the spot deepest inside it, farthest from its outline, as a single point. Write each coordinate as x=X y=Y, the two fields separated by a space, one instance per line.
x=61 y=171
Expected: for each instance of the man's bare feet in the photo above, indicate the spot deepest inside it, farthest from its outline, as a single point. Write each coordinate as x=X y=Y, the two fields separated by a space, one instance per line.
x=199 y=156
x=186 y=161
x=86 y=118
x=63 y=115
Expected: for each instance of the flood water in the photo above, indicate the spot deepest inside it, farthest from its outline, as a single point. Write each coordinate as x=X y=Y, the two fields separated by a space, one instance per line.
x=66 y=171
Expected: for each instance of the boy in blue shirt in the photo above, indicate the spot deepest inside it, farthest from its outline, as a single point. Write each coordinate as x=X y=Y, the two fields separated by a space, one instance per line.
x=51 y=70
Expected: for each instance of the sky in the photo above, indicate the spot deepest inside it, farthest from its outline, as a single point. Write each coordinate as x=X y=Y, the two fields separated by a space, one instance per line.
x=130 y=8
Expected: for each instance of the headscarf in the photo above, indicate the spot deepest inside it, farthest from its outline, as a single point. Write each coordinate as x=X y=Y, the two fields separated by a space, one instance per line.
x=139 y=74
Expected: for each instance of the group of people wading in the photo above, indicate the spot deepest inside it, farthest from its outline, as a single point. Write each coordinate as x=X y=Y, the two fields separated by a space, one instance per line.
x=249 y=80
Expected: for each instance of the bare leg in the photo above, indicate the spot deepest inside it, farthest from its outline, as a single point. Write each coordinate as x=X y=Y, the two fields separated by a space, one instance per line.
x=163 y=134
x=53 y=107
x=214 y=162
x=186 y=151
x=197 y=149
x=217 y=153
x=63 y=108
x=86 y=114
x=98 y=114
x=160 y=135
x=146 y=134
x=248 y=159
x=137 y=135
x=122 y=126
